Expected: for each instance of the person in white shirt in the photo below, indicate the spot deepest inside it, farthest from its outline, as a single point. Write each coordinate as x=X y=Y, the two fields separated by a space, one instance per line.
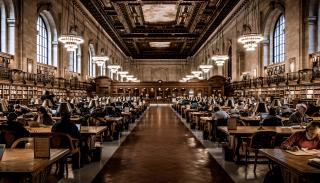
x=219 y=114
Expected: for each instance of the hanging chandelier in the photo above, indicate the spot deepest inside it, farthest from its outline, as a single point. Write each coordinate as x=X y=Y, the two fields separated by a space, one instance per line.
x=100 y=60
x=250 y=41
x=220 y=59
x=196 y=73
x=71 y=40
x=114 y=68
x=123 y=73
x=251 y=37
x=205 y=68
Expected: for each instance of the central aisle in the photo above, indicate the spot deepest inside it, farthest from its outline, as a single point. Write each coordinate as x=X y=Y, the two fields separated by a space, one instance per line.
x=161 y=149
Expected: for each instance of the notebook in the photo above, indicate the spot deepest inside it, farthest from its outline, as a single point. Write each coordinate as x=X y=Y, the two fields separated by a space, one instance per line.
x=2 y=148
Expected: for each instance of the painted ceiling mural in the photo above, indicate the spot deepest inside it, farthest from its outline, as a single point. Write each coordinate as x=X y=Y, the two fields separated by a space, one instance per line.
x=167 y=29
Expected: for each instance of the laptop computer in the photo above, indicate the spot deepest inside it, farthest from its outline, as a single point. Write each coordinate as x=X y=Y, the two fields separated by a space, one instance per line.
x=2 y=148
x=78 y=126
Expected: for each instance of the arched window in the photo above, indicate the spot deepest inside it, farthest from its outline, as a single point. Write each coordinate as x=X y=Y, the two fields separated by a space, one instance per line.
x=75 y=61
x=42 y=42
x=47 y=39
x=279 y=40
x=91 y=65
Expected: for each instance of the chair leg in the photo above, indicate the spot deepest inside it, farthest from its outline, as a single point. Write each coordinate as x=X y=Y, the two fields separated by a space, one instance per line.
x=246 y=158
x=67 y=171
x=255 y=161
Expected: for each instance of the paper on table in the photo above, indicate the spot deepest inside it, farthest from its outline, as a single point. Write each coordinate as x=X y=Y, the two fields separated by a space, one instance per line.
x=304 y=152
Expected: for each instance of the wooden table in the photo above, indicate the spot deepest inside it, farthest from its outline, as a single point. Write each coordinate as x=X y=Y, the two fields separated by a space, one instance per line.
x=313 y=118
x=294 y=169
x=247 y=131
x=250 y=120
x=21 y=165
x=76 y=119
x=85 y=130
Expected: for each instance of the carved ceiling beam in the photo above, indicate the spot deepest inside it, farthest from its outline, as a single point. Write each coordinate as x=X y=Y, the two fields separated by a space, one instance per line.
x=164 y=35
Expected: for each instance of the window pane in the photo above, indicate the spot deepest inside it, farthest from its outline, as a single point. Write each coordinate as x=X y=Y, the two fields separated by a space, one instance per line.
x=279 y=40
x=42 y=41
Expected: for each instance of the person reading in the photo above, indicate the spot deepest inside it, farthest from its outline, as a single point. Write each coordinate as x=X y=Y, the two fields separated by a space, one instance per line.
x=307 y=139
x=299 y=117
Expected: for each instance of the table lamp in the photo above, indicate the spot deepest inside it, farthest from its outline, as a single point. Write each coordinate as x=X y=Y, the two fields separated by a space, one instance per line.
x=93 y=103
x=64 y=107
x=47 y=103
x=3 y=106
x=261 y=108
x=276 y=103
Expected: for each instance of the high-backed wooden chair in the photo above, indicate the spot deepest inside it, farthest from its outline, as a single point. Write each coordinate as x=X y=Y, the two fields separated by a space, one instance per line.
x=259 y=140
x=65 y=141
x=24 y=142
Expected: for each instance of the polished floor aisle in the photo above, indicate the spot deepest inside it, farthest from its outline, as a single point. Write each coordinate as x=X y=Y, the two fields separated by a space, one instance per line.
x=161 y=149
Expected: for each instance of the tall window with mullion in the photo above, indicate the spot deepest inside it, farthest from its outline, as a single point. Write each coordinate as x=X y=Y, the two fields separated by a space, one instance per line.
x=92 y=66
x=42 y=42
x=74 y=62
x=279 y=40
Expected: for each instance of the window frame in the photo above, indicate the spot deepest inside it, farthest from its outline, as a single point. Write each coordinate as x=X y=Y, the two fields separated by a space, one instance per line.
x=278 y=40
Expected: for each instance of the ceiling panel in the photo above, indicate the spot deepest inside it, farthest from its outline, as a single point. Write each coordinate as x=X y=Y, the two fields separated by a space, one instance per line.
x=179 y=28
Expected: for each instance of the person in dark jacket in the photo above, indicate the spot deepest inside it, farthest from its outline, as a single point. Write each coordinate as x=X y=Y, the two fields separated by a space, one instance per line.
x=15 y=129
x=66 y=126
x=19 y=110
x=272 y=119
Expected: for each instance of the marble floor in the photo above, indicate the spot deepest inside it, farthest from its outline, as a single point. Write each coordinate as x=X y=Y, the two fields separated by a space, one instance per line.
x=161 y=124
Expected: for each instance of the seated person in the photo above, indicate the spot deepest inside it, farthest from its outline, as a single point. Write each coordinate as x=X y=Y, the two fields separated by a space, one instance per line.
x=299 y=117
x=20 y=110
x=219 y=114
x=43 y=117
x=272 y=119
x=14 y=127
x=310 y=138
x=66 y=126
x=233 y=110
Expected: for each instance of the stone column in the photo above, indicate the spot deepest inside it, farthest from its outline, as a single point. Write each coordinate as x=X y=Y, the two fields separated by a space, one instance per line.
x=220 y=70
x=312 y=34
x=11 y=36
x=318 y=26
x=266 y=56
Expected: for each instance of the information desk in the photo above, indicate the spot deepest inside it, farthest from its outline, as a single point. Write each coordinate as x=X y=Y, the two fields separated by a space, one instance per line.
x=21 y=165
x=294 y=169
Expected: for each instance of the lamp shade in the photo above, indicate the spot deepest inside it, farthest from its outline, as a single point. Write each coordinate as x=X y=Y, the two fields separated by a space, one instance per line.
x=261 y=108
x=3 y=106
x=276 y=103
x=64 y=108
x=47 y=103
x=93 y=103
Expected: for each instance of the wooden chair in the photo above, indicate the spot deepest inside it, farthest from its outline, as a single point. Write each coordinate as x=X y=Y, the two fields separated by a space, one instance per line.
x=259 y=140
x=25 y=142
x=63 y=140
x=8 y=137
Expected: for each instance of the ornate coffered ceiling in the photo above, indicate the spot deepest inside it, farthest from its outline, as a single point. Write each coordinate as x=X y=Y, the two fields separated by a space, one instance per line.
x=166 y=29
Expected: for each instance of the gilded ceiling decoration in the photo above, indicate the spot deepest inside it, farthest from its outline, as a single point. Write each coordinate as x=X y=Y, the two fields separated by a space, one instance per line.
x=167 y=29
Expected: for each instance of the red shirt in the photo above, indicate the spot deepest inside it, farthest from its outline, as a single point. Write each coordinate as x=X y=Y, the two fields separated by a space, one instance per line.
x=300 y=139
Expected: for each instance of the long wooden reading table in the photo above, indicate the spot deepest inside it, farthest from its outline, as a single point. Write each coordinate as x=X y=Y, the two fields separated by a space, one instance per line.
x=20 y=164
x=294 y=169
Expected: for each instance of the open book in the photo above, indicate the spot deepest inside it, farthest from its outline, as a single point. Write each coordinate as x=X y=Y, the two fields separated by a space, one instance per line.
x=304 y=152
